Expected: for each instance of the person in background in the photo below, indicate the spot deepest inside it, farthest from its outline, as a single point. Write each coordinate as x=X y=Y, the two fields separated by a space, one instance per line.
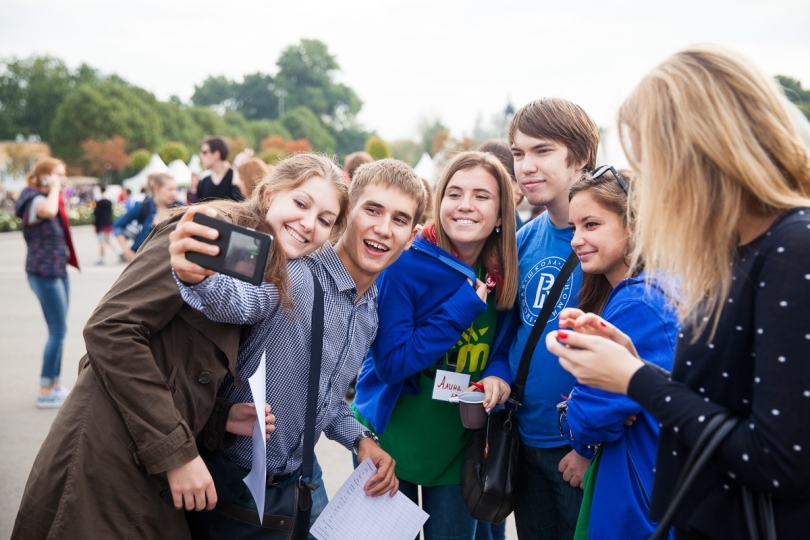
x=428 y=215
x=221 y=183
x=147 y=213
x=722 y=208
x=439 y=324
x=616 y=502
x=41 y=207
x=500 y=149
x=353 y=161
x=251 y=172
x=103 y=216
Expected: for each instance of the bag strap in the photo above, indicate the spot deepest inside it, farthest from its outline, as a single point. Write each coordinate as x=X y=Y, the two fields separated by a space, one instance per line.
x=713 y=435
x=315 y=355
x=519 y=384
x=147 y=201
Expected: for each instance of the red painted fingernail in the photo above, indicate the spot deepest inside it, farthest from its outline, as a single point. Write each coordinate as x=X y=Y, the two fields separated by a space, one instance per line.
x=562 y=335
x=603 y=323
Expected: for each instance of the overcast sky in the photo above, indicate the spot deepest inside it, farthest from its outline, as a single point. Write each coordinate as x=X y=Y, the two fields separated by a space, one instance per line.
x=406 y=60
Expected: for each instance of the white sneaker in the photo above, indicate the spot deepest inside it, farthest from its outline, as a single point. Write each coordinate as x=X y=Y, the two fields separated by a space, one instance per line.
x=61 y=390
x=51 y=400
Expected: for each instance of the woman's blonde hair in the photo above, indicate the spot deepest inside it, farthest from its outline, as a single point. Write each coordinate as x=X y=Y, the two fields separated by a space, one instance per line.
x=251 y=173
x=500 y=250
x=716 y=144
x=288 y=174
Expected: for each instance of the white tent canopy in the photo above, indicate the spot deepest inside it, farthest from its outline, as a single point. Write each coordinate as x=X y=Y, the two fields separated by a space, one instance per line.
x=426 y=169
x=194 y=164
x=181 y=172
x=137 y=182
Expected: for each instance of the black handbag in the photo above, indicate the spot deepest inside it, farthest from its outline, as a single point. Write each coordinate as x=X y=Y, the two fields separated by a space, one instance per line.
x=490 y=461
x=288 y=504
x=758 y=507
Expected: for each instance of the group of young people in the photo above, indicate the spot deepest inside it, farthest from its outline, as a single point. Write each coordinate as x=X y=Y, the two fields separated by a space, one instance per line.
x=687 y=303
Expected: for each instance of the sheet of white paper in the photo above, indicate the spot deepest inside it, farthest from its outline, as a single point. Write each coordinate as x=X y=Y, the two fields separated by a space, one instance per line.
x=256 y=479
x=353 y=514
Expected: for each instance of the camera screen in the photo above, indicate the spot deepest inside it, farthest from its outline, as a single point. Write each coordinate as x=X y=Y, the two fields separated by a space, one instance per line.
x=242 y=254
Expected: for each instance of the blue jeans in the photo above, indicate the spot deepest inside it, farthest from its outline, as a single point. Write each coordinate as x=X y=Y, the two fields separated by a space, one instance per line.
x=490 y=531
x=53 y=295
x=547 y=506
x=449 y=519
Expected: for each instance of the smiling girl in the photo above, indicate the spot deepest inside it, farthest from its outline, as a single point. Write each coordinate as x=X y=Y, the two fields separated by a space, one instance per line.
x=443 y=307
x=619 y=479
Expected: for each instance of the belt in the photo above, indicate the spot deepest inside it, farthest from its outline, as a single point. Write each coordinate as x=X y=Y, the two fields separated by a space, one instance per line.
x=273 y=479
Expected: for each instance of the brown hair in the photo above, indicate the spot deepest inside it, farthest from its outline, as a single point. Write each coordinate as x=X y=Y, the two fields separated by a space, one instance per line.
x=217 y=144
x=500 y=249
x=353 y=161
x=608 y=194
x=500 y=149
x=717 y=144
x=561 y=121
x=389 y=173
x=158 y=180
x=43 y=168
x=251 y=173
x=427 y=215
x=289 y=174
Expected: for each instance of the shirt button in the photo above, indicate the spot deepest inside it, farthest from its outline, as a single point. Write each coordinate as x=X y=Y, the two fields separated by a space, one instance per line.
x=205 y=377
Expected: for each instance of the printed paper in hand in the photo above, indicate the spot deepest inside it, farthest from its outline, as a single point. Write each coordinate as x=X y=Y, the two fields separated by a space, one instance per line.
x=353 y=514
x=256 y=479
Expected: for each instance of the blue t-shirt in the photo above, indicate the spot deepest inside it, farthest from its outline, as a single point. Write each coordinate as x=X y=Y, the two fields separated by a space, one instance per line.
x=542 y=251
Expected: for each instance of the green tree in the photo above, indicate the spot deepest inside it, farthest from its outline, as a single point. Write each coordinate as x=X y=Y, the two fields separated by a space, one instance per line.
x=429 y=129
x=113 y=108
x=378 y=148
x=255 y=97
x=261 y=129
x=408 y=151
x=796 y=94
x=172 y=151
x=30 y=92
x=208 y=120
x=215 y=91
x=177 y=124
x=303 y=124
x=140 y=158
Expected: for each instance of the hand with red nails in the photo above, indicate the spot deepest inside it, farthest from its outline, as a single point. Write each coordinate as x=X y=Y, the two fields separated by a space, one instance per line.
x=592 y=324
x=496 y=391
x=594 y=360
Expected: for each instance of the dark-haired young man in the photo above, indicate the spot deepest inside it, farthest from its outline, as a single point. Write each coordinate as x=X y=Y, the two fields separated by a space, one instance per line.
x=553 y=141
x=222 y=182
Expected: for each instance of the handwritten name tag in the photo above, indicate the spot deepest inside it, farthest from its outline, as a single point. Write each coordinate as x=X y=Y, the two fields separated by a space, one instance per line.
x=449 y=384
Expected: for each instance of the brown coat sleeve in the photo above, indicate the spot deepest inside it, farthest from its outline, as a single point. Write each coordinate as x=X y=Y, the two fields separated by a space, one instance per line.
x=141 y=303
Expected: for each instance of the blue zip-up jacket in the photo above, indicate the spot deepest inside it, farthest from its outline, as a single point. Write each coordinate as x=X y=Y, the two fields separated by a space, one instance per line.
x=621 y=500
x=424 y=304
x=134 y=214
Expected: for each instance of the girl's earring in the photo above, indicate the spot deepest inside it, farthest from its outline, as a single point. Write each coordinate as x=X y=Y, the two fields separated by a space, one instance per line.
x=497 y=229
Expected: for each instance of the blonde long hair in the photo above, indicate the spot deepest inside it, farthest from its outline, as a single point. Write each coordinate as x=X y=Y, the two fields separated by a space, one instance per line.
x=716 y=144
x=500 y=248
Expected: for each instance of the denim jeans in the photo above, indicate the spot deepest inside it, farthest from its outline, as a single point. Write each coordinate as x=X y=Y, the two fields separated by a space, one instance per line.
x=449 y=519
x=547 y=506
x=53 y=295
x=490 y=531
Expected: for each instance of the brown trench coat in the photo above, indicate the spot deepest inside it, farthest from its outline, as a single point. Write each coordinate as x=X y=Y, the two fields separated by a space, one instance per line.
x=145 y=390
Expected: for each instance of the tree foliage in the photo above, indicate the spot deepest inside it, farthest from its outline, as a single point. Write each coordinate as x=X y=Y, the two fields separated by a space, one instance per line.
x=105 y=156
x=101 y=113
x=429 y=129
x=140 y=158
x=378 y=148
x=262 y=129
x=172 y=151
x=796 y=94
x=276 y=148
x=408 y=151
x=302 y=123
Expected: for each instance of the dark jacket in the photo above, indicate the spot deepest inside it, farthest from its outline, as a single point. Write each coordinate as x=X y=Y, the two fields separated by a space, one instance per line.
x=145 y=390
x=47 y=248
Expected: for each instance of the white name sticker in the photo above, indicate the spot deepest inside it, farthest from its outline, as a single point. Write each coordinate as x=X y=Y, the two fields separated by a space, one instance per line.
x=449 y=384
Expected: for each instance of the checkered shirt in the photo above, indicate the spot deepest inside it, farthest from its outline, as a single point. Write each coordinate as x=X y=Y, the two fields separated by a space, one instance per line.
x=349 y=329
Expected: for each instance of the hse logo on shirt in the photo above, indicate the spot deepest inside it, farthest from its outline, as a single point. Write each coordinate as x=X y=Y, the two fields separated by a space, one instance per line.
x=536 y=286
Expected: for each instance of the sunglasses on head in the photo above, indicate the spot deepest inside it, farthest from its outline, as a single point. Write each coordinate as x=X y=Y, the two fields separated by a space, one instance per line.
x=599 y=171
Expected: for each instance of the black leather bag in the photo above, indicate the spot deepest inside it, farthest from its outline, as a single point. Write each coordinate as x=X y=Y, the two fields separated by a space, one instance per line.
x=489 y=467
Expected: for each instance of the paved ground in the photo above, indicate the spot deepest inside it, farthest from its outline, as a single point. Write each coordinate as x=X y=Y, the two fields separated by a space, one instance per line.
x=22 y=338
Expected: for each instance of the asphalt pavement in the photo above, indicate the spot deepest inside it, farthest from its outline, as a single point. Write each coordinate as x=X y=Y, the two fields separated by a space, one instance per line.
x=22 y=339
